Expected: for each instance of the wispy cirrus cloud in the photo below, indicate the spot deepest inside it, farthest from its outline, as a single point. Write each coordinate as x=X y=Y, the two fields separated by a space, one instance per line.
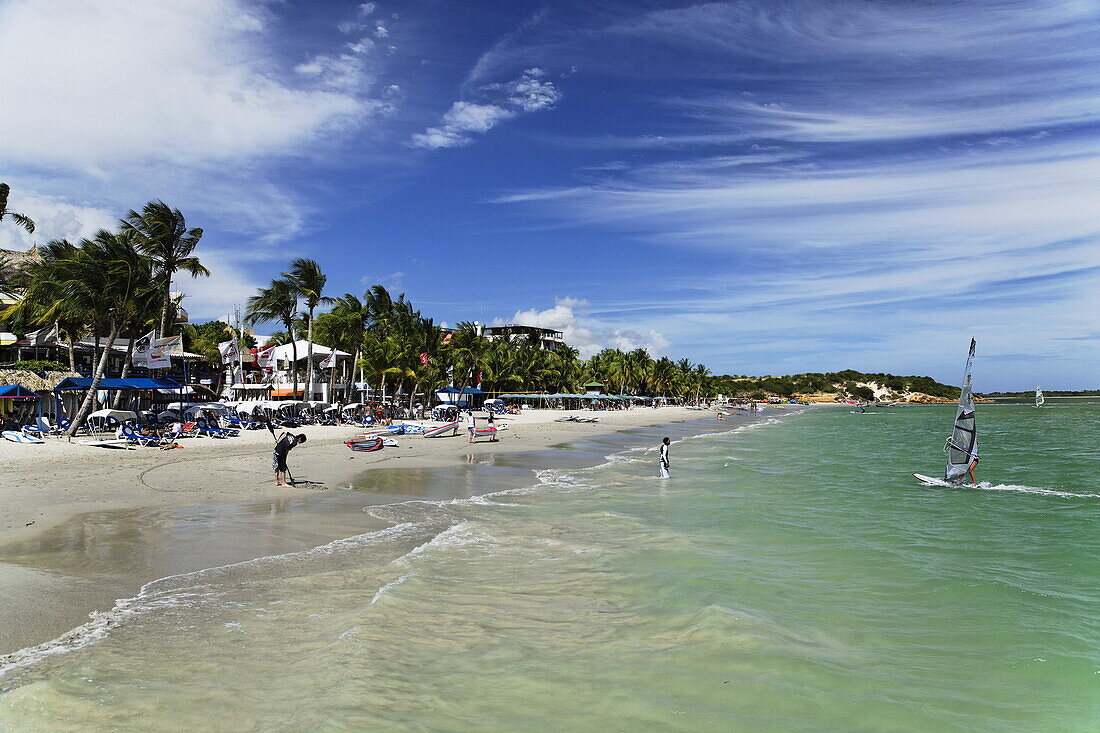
x=877 y=178
x=530 y=92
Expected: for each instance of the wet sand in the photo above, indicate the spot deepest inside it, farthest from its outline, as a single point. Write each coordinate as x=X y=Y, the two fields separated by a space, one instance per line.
x=102 y=523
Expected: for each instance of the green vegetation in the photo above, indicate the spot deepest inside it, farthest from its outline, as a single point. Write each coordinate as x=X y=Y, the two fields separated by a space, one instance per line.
x=1048 y=393
x=36 y=365
x=845 y=382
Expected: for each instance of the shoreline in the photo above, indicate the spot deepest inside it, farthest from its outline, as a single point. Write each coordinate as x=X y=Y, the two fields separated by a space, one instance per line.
x=107 y=537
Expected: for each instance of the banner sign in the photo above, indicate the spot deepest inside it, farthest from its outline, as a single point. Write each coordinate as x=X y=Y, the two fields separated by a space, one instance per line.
x=229 y=351
x=265 y=357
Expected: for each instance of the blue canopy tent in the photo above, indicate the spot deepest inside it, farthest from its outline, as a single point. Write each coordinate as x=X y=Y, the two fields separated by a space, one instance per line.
x=115 y=384
x=17 y=392
x=118 y=384
x=13 y=395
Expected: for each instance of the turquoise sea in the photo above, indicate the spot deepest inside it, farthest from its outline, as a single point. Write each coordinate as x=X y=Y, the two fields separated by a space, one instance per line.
x=791 y=576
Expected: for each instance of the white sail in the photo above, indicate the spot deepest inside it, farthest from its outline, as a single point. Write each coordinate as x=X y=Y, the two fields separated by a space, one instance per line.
x=1039 y=400
x=962 y=446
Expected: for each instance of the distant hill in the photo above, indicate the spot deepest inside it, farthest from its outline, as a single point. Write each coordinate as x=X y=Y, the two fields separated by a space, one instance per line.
x=848 y=384
x=1049 y=393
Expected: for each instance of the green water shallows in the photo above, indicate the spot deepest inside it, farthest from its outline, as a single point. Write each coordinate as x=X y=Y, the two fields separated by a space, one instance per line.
x=791 y=576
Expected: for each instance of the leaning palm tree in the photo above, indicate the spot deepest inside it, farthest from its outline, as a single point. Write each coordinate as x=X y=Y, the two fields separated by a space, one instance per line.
x=278 y=302
x=21 y=219
x=105 y=277
x=161 y=233
x=307 y=282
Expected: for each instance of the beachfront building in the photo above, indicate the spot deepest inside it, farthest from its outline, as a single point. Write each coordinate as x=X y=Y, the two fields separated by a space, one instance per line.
x=273 y=375
x=548 y=339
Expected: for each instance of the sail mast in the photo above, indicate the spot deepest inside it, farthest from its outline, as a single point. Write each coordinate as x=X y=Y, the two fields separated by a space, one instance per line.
x=962 y=446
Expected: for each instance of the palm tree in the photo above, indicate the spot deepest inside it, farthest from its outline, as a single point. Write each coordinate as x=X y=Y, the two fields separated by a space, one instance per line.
x=105 y=279
x=277 y=302
x=352 y=315
x=307 y=282
x=21 y=219
x=161 y=233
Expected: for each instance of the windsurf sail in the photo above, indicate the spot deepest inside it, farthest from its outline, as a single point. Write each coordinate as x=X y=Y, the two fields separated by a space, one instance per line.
x=962 y=445
x=1039 y=400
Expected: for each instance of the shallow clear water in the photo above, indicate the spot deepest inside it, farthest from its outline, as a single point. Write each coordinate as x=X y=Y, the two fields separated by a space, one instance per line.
x=790 y=576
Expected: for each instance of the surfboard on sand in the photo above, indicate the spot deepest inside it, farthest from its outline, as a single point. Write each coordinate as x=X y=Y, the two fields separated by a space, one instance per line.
x=17 y=437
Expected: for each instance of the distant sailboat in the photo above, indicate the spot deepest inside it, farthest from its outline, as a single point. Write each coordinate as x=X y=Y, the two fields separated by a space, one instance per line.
x=1039 y=400
x=962 y=444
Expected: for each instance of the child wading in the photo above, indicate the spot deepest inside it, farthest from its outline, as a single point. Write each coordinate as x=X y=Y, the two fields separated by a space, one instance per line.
x=283 y=446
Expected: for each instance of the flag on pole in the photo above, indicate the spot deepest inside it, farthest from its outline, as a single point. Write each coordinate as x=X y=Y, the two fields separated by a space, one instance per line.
x=140 y=357
x=228 y=350
x=330 y=360
x=265 y=357
x=162 y=350
x=424 y=359
x=43 y=336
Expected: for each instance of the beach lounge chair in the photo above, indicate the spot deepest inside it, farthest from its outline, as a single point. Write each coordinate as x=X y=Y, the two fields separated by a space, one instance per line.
x=213 y=431
x=41 y=429
x=187 y=430
x=127 y=432
x=64 y=423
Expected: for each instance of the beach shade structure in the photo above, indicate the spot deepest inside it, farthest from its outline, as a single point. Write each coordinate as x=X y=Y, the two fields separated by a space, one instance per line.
x=102 y=420
x=119 y=384
x=17 y=392
x=15 y=398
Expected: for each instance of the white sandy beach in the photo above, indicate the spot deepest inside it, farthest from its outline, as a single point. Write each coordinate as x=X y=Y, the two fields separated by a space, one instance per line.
x=46 y=484
x=52 y=486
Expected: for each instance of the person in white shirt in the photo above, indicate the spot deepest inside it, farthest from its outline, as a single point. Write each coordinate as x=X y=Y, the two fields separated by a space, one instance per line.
x=664 y=457
x=471 y=426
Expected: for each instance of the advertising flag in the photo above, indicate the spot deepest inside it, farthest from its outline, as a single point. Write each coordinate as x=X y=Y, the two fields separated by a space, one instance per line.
x=161 y=352
x=229 y=351
x=142 y=345
x=265 y=357
x=424 y=359
x=330 y=360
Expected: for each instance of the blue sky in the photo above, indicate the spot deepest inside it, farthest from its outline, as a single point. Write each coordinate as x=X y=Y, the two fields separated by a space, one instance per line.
x=766 y=187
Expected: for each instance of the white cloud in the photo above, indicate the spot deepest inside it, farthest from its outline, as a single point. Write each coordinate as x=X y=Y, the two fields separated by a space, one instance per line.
x=586 y=334
x=212 y=297
x=529 y=93
x=87 y=85
x=54 y=218
x=110 y=104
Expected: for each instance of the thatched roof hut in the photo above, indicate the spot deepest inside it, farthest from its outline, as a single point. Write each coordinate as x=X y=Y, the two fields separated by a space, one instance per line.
x=31 y=380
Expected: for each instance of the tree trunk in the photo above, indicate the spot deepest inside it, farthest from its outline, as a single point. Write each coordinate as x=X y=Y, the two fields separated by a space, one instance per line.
x=125 y=371
x=101 y=366
x=294 y=357
x=309 y=356
x=332 y=380
x=72 y=354
x=167 y=308
x=412 y=395
x=351 y=376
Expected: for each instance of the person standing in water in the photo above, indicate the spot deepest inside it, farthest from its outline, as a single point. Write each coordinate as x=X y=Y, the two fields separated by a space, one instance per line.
x=664 y=457
x=283 y=446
